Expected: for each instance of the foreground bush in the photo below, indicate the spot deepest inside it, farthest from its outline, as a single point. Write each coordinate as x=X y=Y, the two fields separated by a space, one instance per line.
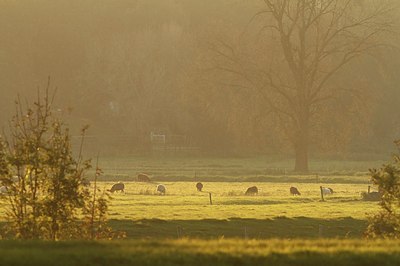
x=46 y=196
x=386 y=223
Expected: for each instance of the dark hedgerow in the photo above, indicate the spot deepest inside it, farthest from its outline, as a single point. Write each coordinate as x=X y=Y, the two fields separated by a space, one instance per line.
x=46 y=195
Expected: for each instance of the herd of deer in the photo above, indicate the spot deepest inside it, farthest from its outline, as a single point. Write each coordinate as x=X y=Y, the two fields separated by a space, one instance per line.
x=161 y=189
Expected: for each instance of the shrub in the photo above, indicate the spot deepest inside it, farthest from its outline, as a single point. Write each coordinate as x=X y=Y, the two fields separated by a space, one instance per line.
x=386 y=223
x=46 y=196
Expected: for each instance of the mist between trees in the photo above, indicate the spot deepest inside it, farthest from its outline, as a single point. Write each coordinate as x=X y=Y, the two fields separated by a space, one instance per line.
x=212 y=76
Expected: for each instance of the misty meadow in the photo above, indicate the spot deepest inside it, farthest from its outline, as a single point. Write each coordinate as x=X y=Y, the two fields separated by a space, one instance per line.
x=177 y=132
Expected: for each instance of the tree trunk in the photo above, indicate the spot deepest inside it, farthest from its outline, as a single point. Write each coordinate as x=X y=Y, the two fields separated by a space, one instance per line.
x=301 y=150
x=301 y=145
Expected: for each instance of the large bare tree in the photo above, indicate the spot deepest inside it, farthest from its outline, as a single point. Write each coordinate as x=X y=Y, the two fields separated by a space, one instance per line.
x=308 y=43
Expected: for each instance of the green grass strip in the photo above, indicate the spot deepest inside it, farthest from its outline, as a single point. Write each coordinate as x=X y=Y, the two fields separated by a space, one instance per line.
x=202 y=252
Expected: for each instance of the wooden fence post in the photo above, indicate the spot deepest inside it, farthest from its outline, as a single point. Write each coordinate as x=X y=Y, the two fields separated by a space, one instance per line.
x=209 y=193
x=179 y=231
x=322 y=194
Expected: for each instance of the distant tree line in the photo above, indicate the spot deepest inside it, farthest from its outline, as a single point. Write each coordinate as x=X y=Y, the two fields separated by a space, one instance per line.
x=128 y=68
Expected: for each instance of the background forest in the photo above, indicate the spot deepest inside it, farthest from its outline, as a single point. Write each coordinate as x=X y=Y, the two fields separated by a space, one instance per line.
x=128 y=68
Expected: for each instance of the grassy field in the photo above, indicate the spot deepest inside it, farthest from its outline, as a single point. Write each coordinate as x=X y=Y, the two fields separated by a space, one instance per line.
x=182 y=227
x=235 y=169
x=272 y=213
x=199 y=252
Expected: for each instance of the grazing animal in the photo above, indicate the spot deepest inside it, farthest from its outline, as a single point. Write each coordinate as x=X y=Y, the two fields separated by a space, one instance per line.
x=372 y=196
x=161 y=189
x=143 y=178
x=294 y=191
x=327 y=190
x=3 y=190
x=117 y=187
x=199 y=186
x=251 y=191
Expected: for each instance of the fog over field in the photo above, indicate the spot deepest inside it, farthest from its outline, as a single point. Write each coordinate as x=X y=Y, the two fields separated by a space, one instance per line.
x=211 y=77
x=196 y=132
